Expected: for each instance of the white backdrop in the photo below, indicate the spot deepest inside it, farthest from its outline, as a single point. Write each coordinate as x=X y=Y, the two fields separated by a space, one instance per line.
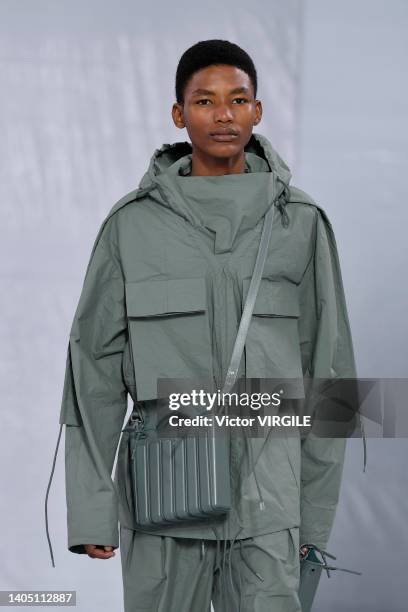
x=86 y=94
x=353 y=158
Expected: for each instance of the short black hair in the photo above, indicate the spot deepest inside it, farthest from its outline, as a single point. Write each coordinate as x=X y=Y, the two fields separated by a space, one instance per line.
x=207 y=53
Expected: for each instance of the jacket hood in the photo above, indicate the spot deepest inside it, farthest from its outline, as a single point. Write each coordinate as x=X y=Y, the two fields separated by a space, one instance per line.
x=224 y=206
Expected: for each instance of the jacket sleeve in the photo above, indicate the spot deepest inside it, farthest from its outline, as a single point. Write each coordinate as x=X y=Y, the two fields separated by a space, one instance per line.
x=94 y=400
x=327 y=352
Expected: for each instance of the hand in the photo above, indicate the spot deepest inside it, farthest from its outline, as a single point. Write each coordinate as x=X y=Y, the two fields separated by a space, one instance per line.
x=303 y=551
x=96 y=551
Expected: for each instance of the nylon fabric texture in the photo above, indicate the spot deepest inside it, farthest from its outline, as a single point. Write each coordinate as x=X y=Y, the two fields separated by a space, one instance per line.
x=162 y=298
x=249 y=575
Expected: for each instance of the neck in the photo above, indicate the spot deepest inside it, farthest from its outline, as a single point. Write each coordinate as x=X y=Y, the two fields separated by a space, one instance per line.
x=205 y=165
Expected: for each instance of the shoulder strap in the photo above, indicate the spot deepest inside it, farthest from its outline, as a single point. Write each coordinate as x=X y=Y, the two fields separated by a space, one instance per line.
x=250 y=301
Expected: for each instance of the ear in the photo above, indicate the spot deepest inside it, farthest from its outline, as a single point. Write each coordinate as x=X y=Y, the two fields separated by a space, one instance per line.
x=258 y=112
x=178 y=115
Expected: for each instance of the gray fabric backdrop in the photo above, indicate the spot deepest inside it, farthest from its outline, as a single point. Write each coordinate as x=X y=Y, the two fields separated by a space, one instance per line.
x=86 y=93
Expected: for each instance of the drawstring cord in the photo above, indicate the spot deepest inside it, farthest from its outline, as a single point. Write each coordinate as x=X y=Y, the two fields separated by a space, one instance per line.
x=281 y=205
x=223 y=561
x=140 y=433
x=230 y=564
x=364 y=443
x=47 y=493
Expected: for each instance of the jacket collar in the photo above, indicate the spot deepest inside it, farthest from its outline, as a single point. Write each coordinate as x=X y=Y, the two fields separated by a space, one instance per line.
x=224 y=206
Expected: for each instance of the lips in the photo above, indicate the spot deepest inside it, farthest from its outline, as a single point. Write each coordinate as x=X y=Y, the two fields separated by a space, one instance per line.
x=224 y=135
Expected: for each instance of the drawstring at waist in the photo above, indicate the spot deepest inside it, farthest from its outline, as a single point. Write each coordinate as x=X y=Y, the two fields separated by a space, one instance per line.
x=221 y=560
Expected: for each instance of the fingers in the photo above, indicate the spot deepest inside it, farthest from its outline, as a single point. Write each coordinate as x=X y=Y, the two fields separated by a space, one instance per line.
x=303 y=551
x=96 y=551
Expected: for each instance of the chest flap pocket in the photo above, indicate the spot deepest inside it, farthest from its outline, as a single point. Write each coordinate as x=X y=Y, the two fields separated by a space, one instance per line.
x=272 y=348
x=169 y=332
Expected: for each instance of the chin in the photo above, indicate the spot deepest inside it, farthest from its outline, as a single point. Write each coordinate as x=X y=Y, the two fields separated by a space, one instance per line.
x=225 y=149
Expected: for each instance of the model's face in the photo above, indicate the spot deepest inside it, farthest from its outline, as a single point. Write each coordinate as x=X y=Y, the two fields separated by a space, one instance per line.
x=219 y=110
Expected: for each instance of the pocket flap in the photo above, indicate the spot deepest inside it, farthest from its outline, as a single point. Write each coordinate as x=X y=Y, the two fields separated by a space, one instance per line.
x=277 y=298
x=170 y=296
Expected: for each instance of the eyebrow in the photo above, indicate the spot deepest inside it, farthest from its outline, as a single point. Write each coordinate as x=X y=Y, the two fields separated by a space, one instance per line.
x=198 y=92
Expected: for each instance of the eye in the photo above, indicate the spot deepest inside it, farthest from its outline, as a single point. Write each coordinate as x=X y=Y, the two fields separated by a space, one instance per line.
x=203 y=100
x=243 y=99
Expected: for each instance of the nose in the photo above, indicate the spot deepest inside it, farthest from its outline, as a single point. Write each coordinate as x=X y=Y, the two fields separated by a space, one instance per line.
x=222 y=112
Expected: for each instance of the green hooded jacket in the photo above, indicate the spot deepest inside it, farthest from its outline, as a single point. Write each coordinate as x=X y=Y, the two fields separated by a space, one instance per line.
x=179 y=245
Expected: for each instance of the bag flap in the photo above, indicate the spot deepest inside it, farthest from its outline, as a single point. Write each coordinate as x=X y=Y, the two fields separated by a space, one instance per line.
x=278 y=298
x=169 y=296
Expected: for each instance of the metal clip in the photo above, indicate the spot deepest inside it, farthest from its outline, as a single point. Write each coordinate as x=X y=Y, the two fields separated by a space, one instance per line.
x=134 y=423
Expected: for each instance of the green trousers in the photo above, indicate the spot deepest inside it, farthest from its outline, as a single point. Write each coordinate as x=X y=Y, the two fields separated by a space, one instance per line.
x=166 y=574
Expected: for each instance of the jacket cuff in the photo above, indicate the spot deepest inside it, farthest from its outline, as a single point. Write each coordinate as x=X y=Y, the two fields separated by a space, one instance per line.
x=77 y=548
x=319 y=542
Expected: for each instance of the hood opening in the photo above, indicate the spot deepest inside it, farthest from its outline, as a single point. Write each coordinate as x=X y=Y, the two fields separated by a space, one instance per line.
x=258 y=144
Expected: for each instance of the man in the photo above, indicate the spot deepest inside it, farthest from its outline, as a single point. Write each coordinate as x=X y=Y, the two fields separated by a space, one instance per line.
x=196 y=219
